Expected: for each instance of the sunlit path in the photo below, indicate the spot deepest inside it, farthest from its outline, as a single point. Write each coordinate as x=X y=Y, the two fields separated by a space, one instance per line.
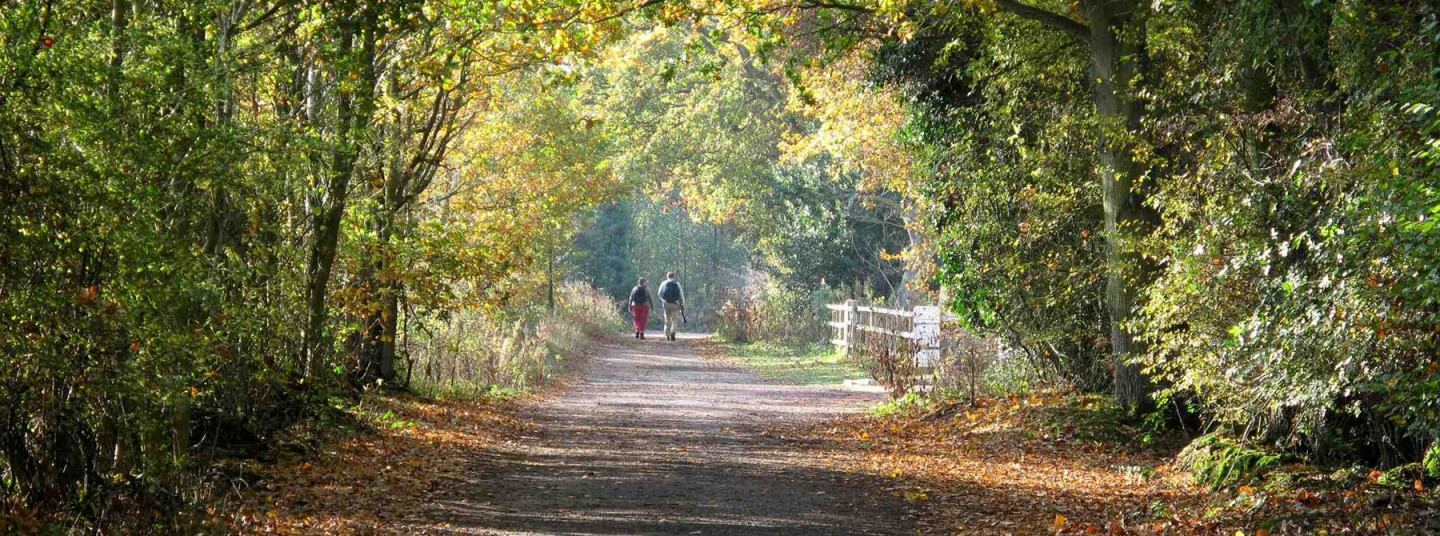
x=658 y=441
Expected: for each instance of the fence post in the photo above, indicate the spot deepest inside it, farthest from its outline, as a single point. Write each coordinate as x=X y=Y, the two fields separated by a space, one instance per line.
x=926 y=332
x=852 y=315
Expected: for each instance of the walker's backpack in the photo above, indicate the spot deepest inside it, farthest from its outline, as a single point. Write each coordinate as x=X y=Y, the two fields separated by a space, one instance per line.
x=640 y=296
x=670 y=291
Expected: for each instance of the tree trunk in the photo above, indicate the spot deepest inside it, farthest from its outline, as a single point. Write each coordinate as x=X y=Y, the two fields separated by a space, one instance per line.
x=119 y=25
x=910 y=216
x=331 y=211
x=550 y=275
x=1117 y=50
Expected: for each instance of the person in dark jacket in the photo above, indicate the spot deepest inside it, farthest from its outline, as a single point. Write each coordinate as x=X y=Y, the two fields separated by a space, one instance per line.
x=640 y=308
x=674 y=299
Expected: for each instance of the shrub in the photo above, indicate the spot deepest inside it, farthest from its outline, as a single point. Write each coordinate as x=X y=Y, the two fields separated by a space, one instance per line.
x=776 y=314
x=474 y=354
x=889 y=360
x=735 y=318
x=965 y=359
x=1217 y=461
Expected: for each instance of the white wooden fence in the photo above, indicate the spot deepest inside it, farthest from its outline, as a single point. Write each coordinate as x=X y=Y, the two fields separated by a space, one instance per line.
x=921 y=325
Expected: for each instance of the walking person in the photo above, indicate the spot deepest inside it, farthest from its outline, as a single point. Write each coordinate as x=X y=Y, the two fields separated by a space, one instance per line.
x=640 y=308
x=674 y=299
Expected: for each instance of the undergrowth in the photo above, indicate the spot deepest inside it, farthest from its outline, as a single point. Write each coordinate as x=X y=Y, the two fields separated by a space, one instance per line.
x=1216 y=461
x=474 y=355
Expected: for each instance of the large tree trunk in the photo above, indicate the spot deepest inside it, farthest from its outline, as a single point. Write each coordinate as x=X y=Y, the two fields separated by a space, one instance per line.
x=1117 y=51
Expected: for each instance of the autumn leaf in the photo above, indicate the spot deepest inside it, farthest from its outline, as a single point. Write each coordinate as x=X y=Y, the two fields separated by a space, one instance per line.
x=1389 y=520
x=85 y=296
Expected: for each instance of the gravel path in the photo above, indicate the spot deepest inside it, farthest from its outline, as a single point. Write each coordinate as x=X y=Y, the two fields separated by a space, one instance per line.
x=655 y=440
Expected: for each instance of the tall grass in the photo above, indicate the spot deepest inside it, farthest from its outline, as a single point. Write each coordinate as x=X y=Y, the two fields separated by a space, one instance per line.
x=472 y=354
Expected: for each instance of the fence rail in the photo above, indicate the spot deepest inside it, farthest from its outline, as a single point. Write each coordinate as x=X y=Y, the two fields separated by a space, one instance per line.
x=920 y=325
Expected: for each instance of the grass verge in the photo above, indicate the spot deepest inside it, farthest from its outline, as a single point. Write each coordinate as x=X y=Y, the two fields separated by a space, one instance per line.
x=813 y=364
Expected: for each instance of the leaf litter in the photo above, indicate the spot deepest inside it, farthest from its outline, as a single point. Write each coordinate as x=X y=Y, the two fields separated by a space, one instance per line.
x=1011 y=467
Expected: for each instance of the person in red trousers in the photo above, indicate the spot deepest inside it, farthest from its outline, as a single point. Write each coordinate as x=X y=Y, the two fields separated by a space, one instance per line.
x=640 y=308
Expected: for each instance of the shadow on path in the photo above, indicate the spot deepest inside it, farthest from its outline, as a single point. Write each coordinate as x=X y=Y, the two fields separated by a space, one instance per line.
x=655 y=440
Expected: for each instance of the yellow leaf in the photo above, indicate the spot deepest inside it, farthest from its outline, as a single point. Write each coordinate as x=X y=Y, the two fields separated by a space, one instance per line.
x=1246 y=490
x=1059 y=521
x=916 y=496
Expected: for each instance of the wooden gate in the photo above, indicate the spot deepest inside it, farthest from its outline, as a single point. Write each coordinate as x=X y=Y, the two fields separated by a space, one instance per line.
x=920 y=325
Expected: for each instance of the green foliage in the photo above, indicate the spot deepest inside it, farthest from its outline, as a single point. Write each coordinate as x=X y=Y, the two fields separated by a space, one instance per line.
x=1294 y=257
x=908 y=403
x=1283 y=242
x=1403 y=476
x=1217 y=461
x=641 y=237
x=1430 y=465
x=602 y=250
x=1006 y=146
x=213 y=214
x=699 y=135
x=815 y=228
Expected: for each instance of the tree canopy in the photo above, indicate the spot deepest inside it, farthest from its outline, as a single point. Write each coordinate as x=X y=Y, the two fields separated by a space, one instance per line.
x=215 y=212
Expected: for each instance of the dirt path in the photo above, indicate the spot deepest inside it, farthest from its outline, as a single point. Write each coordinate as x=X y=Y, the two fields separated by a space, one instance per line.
x=655 y=440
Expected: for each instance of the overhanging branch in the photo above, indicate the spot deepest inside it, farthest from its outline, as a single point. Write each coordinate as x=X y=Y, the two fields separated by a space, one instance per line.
x=1056 y=21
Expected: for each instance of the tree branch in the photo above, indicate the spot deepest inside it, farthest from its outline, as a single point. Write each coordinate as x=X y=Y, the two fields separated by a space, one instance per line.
x=812 y=4
x=1056 y=21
